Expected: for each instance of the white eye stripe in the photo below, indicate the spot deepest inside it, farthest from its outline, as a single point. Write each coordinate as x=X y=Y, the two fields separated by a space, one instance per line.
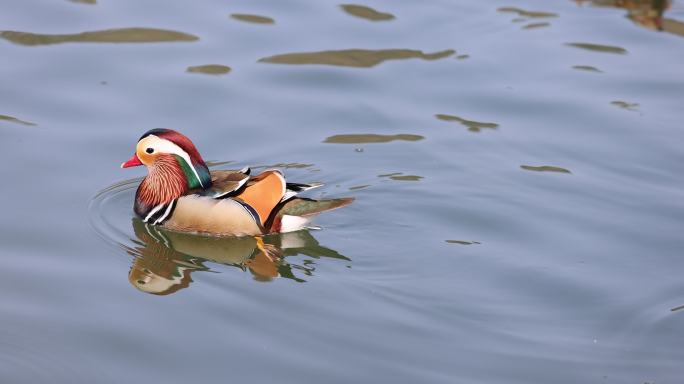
x=163 y=145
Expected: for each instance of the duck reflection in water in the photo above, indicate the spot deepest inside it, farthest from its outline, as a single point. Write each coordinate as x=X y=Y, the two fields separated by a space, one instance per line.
x=646 y=13
x=164 y=260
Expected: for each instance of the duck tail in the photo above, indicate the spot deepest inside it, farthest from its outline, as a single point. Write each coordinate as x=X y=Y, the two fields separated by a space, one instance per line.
x=295 y=213
x=293 y=189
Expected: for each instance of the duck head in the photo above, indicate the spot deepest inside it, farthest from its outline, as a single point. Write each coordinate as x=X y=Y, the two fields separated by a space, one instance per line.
x=174 y=167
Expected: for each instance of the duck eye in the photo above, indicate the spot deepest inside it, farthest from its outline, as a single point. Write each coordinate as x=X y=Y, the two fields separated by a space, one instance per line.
x=150 y=150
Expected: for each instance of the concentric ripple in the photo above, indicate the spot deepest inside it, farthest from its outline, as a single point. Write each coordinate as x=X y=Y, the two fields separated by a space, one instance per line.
x=110 y=209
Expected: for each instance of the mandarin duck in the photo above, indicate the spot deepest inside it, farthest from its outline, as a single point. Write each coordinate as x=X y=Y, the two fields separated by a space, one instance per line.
x=180 y=193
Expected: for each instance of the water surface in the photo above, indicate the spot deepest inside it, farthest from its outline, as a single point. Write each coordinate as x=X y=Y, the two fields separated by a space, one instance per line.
x=518 y=215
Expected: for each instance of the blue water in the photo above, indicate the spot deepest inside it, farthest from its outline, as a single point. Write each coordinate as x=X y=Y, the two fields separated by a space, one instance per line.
x=519 y=201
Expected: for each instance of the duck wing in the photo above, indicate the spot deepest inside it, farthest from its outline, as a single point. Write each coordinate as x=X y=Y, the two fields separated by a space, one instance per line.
x=263 y=193
x=255 y=204
x=225 y=183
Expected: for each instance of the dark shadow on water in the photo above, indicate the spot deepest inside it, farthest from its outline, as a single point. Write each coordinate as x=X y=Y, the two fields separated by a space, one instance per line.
x=367 y=13
x=536 y=25
x=598 y=48
x=399 y=176
x=165 y=260
x=644 y=13
x=209 y=69
x=625 y=105
x=122 y=35
x=473 y=126
x=357 y=58
x=544 y=168
x=254 y=19
x=524 y=13
x=367 y=138
x=587 y=68
x=463 y=242
x=16 y=121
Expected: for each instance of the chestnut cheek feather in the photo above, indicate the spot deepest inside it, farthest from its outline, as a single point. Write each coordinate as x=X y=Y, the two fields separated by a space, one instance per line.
x=164 y=182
